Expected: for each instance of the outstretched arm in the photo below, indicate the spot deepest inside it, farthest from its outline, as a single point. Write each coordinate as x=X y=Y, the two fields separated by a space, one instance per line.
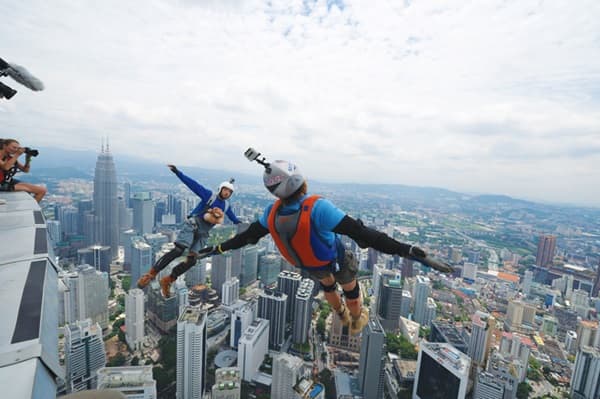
x=368 y=237
x=192 y=184
x=251 y=235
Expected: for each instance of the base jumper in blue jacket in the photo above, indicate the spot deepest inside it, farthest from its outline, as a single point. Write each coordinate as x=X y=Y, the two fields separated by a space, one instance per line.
x=306 y=231
x=209 y=212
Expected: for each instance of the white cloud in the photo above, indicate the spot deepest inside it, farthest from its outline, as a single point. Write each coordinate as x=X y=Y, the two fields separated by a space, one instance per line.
x=498 y=96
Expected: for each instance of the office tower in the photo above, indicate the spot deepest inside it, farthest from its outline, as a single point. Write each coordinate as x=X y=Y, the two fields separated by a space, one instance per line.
x=405 y=303
x=252 y=348
x=580 y=303
x=585 y=380
x=519 y=313
x=516 y=346
x=227 y=383
x=550 y=326
x=249 y=265
x=487 y=386
x=197 y=274
x=442 y=372
x=407 y=268
x=372 y=360
x=371 y=258
x=162 y=312
x=134 y=318
x=141 y=259
x=596 y=284
x=442 y=332
x=143 y=213
x=302 y=311
x=545 y=250
x=587 y=330
x=389 y=302
x=69 y=220
x=272 y=306
x=287 y=370
x=84 y=355
x=421 y=293
x=430 y=312
x=482 y=329
x=571 y=341
x=156 y=242
x=455 y=254
x=182 y=293
x=54 y=232
x=84 y=207
x=469 y=271
x=135 y=382
x=231 y=291
x=86 y=295
x=125 y=216
x=472 y=256
x=105 y=202
x=340 y=336
x=508 y=372
x=160 y=209
x=527 y=280
x=288 y=283
x=240 y=320
x=220 y=271
x=127 y=194
x=97 y=256
x=191 y=353
x=269 y=266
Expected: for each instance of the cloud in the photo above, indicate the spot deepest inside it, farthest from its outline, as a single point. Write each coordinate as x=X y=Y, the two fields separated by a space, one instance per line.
x=463 y=95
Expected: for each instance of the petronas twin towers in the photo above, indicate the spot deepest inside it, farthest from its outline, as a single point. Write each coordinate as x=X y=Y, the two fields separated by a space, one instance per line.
x=106 y=208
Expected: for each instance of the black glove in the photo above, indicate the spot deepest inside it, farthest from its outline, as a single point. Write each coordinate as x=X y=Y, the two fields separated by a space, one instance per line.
x=173 y=168
x=416 y=252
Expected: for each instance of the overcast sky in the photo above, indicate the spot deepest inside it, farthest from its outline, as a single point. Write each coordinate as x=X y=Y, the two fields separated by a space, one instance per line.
x=477 y=96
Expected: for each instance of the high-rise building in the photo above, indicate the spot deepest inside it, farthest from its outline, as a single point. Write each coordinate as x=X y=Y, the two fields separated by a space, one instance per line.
x=288 y=283
x=442 y=332
x=407 y=268
x=508 y=372
x=487 y=386
x=105 y=204
x=231 y=291
x=162 y=312
x=134 y=318
x=442 y=372
x=143 y=213
x=519 y=313
x=54 y=232
x=372 y=360
x=587 y=331
x=580 y=303
x=545 y=250
x=86 y=295
x=269 y=266
x=302 y=311
x=249 y=265
x=191 y=353
x=84 y=355
x=125 y=216
x=141 y=259
x=220 y=271
x=69 y=220
x=405 y=303
x=84 y=207
x=308 y=389
x=571 y=341
x=272 y=305
x=430 y=312
x=516 y=346
x=241 y=318
x=135 y=382
x=596 y=285
x=197 y=274
x=469 y=271
x=227 y=383
x=389 y=302
x=340 y=336
x=585 y=380
x=482 y=329
x=527 y=280
x=252 y=348
x=421 y=293
x=549 y=326
x=287 y=370
x=97 y=256
x=127 y=194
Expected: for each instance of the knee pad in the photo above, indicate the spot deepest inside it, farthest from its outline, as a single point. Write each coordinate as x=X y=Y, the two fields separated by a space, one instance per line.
x=329 y=288
x=353 y=293
x=191 y=260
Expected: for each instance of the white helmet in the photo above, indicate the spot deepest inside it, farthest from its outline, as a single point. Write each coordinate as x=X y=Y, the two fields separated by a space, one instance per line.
x=227 y=184
x=282 y=178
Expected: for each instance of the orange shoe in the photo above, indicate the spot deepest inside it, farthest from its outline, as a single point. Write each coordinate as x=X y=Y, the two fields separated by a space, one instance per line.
x=344 y=315
x=165 y=285
x=147 y=278
x=360 y=322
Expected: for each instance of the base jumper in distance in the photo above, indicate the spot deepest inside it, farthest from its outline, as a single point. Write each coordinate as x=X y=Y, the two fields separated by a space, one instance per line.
x=210 y=211
x=306 y=231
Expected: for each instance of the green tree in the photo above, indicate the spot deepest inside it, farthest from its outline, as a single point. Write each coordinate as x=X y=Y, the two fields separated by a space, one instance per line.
x=135 y=361
x=126 y=283
x=117 y=360
x=523 y=390
x=321 y=326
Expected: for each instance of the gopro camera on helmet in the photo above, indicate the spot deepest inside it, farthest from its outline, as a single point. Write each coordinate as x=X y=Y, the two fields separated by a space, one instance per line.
x=252 y=155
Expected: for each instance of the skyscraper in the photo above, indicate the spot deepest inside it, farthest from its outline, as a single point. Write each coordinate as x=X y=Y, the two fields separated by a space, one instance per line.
x=220 y=271
x=527 y=280
x=269 y=266
x=288 y=283
x=231 y=291
x=240 y=320
x=97 y=256
x=390 y=302
x=340 y=336
x=372 y=360
x=191 y=353
x=227 y=383
x=407 y=268
x=481 y=338
x=545 y=250
x=287 y=370
x=84 y=355
x=585 y=380
x=272 y=306
x=143 y=213
x=134 y=318
x=141 y=259
x=86 y=295
x=249 y=265
x=442 y=372
x=302 y=311
x=135 y=382
x=252 y=348
x=488 y=386
x=422 y=292
x=106 y=207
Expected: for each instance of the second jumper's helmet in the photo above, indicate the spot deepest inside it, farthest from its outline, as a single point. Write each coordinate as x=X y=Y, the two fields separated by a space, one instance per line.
x=227 y=184
x=282 y=178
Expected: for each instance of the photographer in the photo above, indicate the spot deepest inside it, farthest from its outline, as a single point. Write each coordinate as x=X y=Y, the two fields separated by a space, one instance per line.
x=10 y=165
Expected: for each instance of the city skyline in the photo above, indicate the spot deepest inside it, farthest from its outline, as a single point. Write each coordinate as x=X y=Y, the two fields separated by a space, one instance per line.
x=512 y=110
